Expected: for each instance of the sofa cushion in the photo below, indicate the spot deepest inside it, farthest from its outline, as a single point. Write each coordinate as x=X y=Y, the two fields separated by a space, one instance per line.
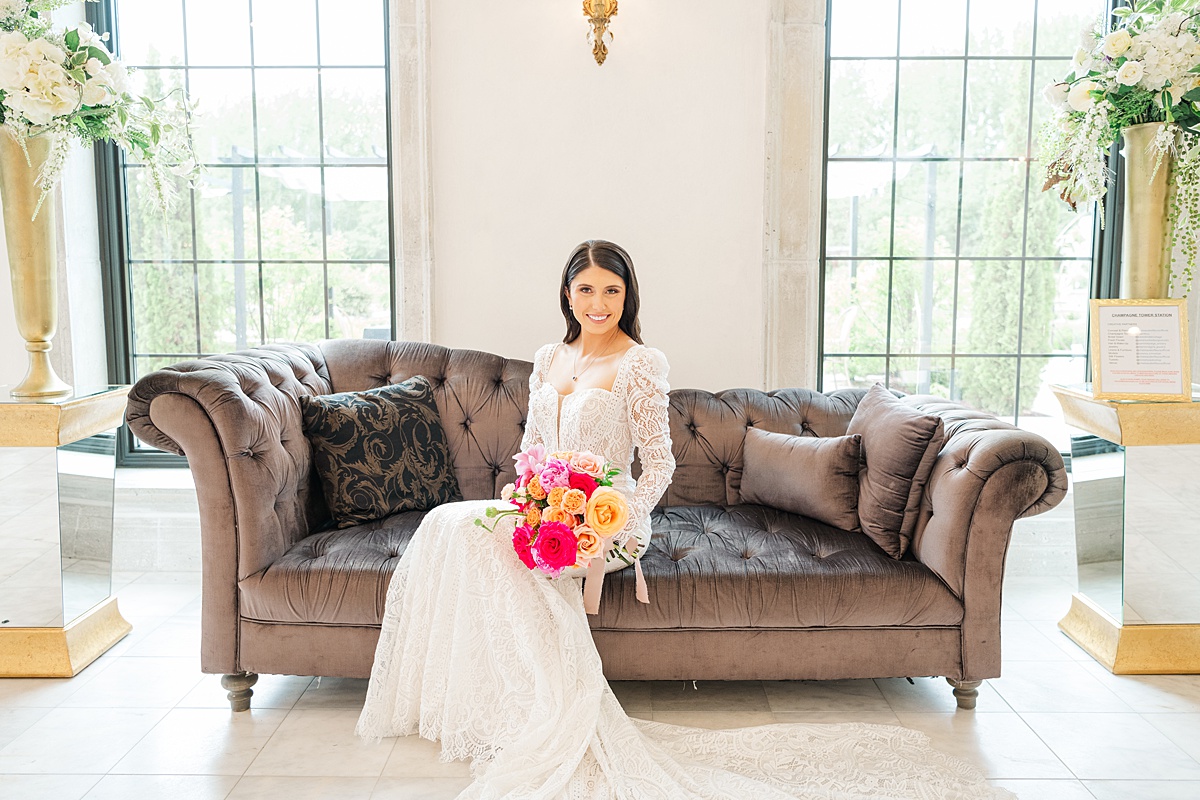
x=899 y=446
x=337 y=577
x=751 y=566
x=809 y=475
x=379 y=451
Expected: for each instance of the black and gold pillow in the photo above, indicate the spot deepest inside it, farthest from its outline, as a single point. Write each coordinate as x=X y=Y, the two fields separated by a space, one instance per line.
x=380 y=451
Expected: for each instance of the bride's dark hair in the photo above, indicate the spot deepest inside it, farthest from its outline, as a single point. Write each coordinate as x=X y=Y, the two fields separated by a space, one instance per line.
x=612 y=257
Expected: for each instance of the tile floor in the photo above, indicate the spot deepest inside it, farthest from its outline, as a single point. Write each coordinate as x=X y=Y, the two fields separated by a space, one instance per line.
x=143 y=722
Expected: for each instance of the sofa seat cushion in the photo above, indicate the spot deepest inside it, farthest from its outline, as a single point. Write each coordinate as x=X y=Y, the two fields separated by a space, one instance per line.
x=336 y=577
x=749 y=566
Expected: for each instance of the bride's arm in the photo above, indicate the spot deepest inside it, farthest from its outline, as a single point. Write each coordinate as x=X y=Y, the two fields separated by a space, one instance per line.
x=531 y=435
x=648 y=420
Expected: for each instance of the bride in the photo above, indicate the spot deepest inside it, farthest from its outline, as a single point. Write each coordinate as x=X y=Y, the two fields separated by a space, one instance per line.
x=497 y=661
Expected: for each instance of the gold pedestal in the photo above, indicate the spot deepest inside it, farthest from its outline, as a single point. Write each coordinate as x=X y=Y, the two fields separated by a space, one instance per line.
x=61 y=652
x=1132 y=649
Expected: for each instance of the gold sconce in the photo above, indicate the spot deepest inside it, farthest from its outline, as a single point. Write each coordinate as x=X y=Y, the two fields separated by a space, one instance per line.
x=599 y=13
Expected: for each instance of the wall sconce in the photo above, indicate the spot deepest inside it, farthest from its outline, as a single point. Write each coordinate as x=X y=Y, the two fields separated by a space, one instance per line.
x=599 y=13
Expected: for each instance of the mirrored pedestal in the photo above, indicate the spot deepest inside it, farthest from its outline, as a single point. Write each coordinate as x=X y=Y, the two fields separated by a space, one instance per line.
x=57 y=469
x=1135 y=472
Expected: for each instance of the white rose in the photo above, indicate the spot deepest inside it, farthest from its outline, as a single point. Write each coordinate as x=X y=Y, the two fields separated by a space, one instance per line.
x=93 y=67
x=1056 y=94
x=88 y=37
x=1116 y=43
x=118 y=78
x=1078 y=98
x=95 y=93
x=1130 y=73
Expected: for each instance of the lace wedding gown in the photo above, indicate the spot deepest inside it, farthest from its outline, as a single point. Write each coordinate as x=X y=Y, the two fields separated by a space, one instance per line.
x=498 y=662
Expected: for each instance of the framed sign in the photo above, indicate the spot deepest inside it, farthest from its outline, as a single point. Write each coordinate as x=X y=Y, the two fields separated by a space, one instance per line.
x=1140 y=350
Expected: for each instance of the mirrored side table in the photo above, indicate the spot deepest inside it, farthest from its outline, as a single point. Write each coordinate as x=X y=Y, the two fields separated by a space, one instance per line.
x=1135 y=473
x=57 y=470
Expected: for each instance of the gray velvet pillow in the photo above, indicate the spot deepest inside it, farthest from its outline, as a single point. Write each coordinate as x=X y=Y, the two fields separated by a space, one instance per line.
x=899 y=446
x=810 y=475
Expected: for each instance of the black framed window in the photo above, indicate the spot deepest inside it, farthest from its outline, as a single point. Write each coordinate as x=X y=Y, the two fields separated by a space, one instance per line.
x=287 y=236
x=946 y=269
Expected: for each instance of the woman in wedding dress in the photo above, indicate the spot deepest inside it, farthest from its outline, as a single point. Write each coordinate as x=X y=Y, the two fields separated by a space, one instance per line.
x=497 y=661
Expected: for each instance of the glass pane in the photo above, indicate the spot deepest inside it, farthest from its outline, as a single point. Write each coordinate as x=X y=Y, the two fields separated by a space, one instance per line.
x=863 y=126
x=352 y=32
x=1061 y=24
x=1002 y=29
x=360 y=300
x=226 y=225
x=922 y=307
x=858 y=208
x=229 y=317
x=933 y=27
x=288 y=115
x=849 y=37
x=989 y=301
x=154 y=83
x=1056 y=307
x=856 y=295
x=997 y=109
x=153 y=235
x=987 y=384
x=1045 y=73
x=993 y=208
x=224 y=120
x=293 y=302
x=926 y=208
x=358 y=212
x=285 y=32
x=164 y=308
x=218 y=33
x=354 y=107
x=847 y=372
x=920 y=376
x=1037 y=399
x=291 y=213
x=930 y=120
x=149 y=32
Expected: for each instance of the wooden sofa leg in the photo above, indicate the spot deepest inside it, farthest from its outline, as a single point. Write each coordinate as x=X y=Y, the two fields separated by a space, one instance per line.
x=965 y=692
x=238 y=684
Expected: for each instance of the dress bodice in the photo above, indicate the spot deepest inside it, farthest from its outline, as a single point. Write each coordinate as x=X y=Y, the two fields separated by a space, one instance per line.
x=610 y=423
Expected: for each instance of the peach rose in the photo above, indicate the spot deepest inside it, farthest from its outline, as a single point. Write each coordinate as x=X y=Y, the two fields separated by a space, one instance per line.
x=507 y=492
x=590 y=545
x=555 y=497
x=535 y=489
x=590 y=463
x=533 y=516
x=607 y=512
x=573 y=501
x=556 y=514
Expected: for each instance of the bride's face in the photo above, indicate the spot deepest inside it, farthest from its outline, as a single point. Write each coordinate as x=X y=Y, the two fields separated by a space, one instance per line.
x=597 y=299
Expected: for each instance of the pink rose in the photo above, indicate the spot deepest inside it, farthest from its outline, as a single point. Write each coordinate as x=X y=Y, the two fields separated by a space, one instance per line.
x=555 y=473
x=592 y=464
x=521 y=545
x=529 y=461
x=555 y=547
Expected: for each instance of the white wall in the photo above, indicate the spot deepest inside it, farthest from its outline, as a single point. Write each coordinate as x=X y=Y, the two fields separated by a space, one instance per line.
x=535 y=148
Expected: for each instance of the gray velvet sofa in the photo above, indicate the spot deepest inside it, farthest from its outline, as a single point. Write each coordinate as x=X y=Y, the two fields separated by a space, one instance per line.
x=738 y=591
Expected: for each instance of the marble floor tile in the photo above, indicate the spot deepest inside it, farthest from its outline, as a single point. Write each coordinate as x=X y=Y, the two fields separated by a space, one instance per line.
x=835 y=717
x=419 y=788
x=175 y=787
x=1143 y=790
x=1021 y=640
x=271 y=691
x=850 y=695
x=1038 y=598
x=46 y=692
x=142 y=597
x=172 y=639
x=252 y=787
x=715 y=720
x=138 y=683
x=414 y=757
x=1152 y=693
x=334 y=693
x=1112 y=747
x=739 y=696
x=935 y=695
x=78 y=740
x=1054 y=686
x=633 y=695
x=1000 y=745
x=15 y=721
x=202 y=741
x=46 y=787
x=1046 y=790
x=321 y=742
x=1182 y=729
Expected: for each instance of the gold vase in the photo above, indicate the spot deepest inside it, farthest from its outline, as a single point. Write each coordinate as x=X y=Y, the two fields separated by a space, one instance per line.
x=32 y=260
x=1145 y=244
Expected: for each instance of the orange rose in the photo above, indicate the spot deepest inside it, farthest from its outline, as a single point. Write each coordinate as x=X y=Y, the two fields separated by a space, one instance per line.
x=573 y=501
x=590 y=545
x=535 y=489
x=607 y=512
x=556 y=514
x=533 y=516
x=555 y=497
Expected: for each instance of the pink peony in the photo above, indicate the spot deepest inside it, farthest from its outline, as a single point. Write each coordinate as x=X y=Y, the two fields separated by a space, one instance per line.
x=555 y=473
x=584 y=482
x=521 y=545
x=530 y=461
x=555 y=547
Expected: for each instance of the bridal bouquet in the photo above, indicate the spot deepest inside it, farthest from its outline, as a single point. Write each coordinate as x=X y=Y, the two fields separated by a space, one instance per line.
x=567 y=510
x=66 y=84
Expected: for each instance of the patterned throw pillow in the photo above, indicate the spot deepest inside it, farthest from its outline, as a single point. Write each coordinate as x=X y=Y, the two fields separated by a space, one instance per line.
x=380 y=451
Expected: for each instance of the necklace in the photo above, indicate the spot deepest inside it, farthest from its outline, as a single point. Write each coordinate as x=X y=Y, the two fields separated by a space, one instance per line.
x=575 y=366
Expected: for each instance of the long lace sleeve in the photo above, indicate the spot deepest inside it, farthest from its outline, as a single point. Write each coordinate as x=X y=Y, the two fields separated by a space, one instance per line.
x=532 y=436
x=647 y=403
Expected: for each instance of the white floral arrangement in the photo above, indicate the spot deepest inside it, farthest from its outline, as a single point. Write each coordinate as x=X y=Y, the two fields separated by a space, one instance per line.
x=67 y=82
x=1146 y=69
